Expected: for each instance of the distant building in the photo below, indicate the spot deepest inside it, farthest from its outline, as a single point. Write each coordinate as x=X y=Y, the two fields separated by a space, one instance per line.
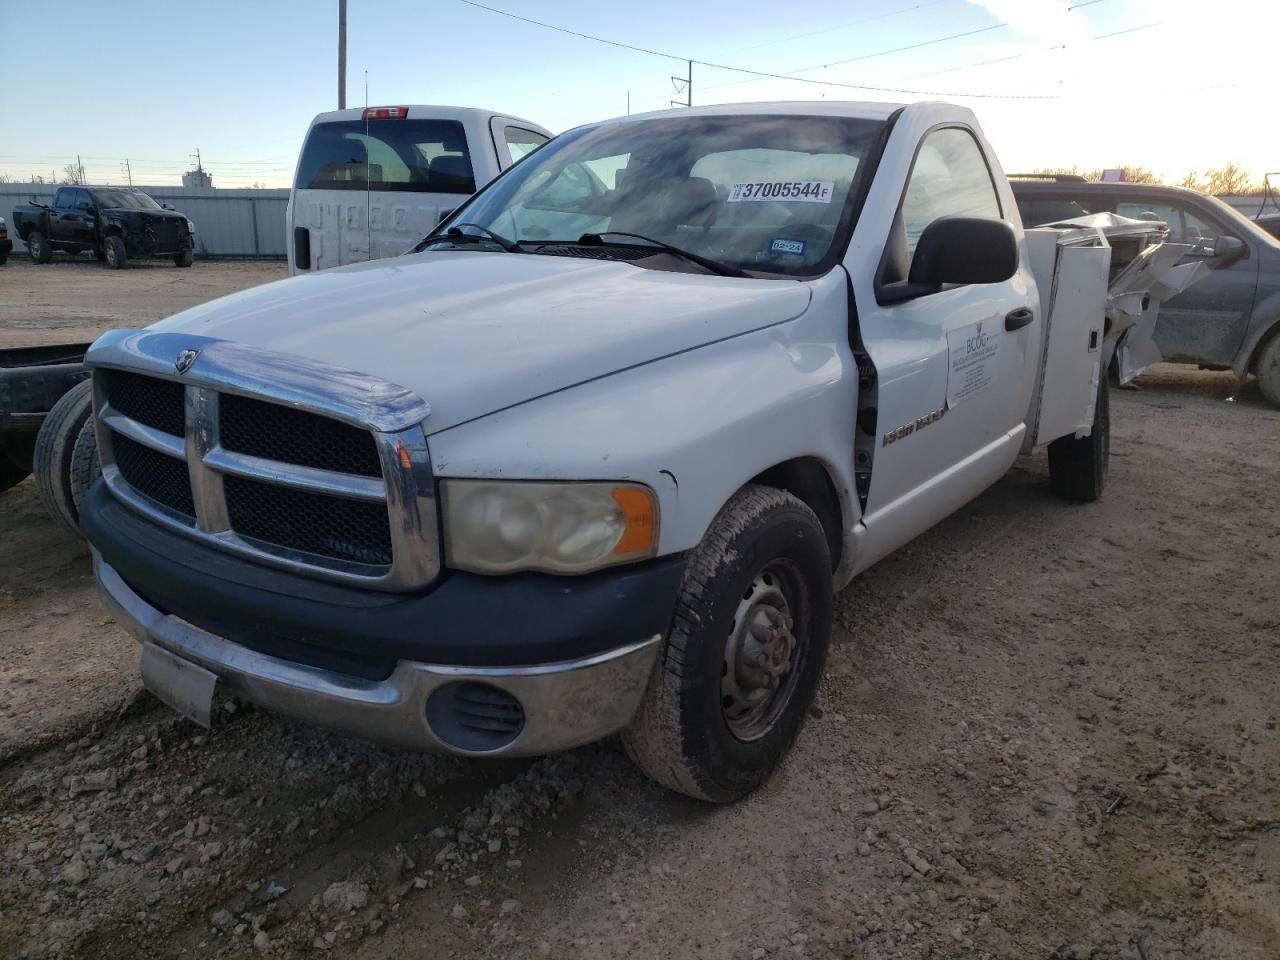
x=198 y=177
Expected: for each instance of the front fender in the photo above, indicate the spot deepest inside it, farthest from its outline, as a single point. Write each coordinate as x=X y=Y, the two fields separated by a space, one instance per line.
x=1264 y=322
x=694 y=427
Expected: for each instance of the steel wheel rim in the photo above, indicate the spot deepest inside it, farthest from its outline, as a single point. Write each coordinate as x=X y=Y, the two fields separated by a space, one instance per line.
x=759 y=673
x=111 y=254
x=35 y=248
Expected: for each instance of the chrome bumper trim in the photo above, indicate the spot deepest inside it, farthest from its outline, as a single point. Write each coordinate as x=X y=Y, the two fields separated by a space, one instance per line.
x=565 y=704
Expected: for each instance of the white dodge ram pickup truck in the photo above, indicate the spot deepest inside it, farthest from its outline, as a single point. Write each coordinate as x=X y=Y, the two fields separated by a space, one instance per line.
x=597 y=454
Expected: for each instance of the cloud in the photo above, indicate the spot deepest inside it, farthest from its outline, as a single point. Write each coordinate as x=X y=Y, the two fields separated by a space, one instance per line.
x=1045 y=20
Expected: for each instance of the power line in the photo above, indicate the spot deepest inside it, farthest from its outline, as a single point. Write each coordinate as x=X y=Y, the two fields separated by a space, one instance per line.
x=1060 y=46
x=776 y=76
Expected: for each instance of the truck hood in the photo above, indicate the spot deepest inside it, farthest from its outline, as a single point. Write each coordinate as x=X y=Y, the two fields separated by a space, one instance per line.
x=472 y=332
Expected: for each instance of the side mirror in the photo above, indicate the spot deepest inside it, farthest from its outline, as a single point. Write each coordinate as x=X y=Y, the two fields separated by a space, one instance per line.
x=167 y=206
x=965 y=250
x=1228 y=248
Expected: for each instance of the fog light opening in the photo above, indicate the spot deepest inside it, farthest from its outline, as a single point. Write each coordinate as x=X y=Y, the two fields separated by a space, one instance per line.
x=475 y=717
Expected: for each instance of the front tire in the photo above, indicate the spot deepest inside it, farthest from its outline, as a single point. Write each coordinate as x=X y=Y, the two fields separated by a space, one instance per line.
x=740 y=666
x=114 y=256
x=38 y=247
x=1267 y=370
x=1078 y=467
x=184 y=258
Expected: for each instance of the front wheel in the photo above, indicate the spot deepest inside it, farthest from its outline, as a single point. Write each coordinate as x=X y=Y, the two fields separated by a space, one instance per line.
x=1267 y=370
x=183 y=258
x=114 y=256
x=39 y=247
x=740 y=666
x=1078 y=467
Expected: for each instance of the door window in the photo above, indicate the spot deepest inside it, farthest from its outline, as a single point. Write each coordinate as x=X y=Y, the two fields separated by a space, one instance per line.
x=948 y=179
x=82 y=200
x=1184 y=225
x=521 y=142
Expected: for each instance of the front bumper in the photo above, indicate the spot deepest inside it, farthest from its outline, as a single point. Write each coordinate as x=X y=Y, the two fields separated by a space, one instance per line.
x=564 y=704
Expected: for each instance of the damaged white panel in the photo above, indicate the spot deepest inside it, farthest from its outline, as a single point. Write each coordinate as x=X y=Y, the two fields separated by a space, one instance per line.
x=1073 y=342
x=1101 y=280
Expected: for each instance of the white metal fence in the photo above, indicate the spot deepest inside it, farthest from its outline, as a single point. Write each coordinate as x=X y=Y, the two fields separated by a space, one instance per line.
x=229 y=223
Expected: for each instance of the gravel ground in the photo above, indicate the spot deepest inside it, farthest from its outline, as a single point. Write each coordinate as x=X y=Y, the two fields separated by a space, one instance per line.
x=1045 y=731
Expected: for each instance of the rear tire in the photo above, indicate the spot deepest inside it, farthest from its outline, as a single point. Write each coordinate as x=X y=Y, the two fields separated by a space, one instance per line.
x=39 y=247
x=1078 y=467
x=184 y=258
x=55 y=450
x=114 y=256
x=1267 y=370
x=740 y=666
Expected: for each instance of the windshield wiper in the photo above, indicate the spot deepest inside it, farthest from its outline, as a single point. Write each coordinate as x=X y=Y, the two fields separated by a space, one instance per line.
x=455 y=234
x=715 y=266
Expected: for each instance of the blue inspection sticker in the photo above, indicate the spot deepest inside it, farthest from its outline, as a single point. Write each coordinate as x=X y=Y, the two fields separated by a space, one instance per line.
x=783 y=245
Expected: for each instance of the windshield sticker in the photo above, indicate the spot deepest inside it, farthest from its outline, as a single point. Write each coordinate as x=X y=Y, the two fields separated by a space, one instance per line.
x=974 y=354
x=803 y=191
x=782 y=245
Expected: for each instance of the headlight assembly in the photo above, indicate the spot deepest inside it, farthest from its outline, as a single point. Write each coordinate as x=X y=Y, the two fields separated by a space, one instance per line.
x=500 y=526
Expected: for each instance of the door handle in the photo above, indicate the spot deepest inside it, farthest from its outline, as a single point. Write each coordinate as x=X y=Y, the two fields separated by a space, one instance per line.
x=1019 y=318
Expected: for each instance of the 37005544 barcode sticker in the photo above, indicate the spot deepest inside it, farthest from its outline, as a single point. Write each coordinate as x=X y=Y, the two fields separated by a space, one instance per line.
x=803 y=191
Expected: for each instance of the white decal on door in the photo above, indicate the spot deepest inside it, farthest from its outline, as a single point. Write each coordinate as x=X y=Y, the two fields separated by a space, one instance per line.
x=974 y=359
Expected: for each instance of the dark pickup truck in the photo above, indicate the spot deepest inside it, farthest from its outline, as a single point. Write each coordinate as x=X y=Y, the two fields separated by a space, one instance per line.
x=116 y=223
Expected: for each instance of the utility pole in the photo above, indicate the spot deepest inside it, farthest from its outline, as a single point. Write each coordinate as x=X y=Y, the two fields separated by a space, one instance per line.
x=628 y=103
x=683 y=85
x=128 y=171
x=79 y=170
x=342 y=54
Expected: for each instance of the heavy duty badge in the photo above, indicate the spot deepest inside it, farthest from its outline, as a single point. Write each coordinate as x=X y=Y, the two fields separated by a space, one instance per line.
x=185 y=359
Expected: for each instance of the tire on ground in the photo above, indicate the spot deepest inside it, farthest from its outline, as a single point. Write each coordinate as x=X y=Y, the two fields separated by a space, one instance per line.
x=55 y=450
x=682 y=735
x=1267 y=369
x=1078 y=467
x=184 y=257
x=113 y=252
x=85 y=465
x=39 y=247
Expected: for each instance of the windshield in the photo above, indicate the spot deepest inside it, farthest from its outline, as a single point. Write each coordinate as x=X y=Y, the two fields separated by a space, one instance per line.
x=424 y=156
x=124 y=200
x=771 y=194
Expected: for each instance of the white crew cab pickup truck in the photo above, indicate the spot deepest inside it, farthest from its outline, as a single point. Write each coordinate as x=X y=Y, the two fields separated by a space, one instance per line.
x=597 y=454
x=371 y=182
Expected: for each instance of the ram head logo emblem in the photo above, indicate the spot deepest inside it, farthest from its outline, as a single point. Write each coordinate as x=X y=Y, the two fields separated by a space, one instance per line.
x=185 y=359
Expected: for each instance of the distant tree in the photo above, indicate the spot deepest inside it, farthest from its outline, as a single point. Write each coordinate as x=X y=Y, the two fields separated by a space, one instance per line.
x=1140 y=175
x=1191 y=181
x=5 y=178
x=36 y=178
x=1231 y=179
x=257 y=185
x=73 y=173
x=1071 y=171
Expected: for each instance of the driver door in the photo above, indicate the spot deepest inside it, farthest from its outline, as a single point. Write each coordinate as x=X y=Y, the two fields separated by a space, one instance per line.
x=953 y=371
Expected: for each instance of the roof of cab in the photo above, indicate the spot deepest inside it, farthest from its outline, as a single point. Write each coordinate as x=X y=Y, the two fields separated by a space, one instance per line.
x=816 y=108
x=420 y=111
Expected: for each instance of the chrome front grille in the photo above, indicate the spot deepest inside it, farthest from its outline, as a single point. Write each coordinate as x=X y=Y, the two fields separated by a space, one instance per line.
x=302 y=489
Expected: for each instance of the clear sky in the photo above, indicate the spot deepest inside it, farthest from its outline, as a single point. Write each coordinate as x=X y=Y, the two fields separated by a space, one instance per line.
x=1167 y=84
